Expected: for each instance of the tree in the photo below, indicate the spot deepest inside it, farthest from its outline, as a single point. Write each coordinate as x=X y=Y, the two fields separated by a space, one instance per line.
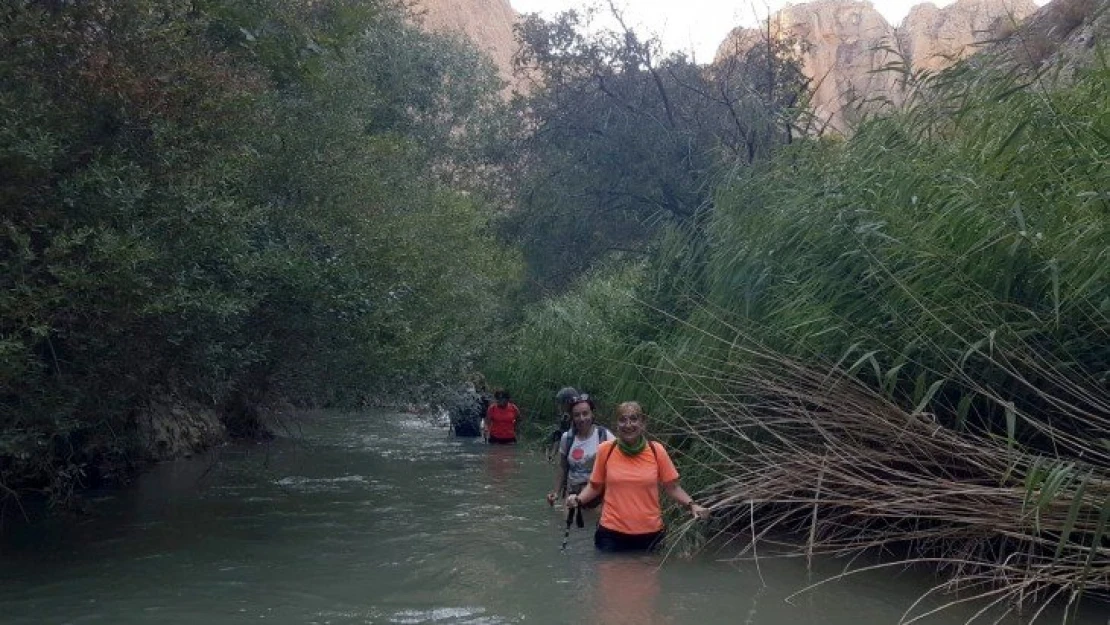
x=223 y=203
x=624 y=140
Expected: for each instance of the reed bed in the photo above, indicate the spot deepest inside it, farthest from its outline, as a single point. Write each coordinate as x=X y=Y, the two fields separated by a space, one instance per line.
x=900 y=344
x=815 y=462
x=897 y=343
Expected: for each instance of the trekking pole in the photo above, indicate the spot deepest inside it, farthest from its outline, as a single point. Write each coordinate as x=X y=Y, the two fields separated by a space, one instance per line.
x=566 y=532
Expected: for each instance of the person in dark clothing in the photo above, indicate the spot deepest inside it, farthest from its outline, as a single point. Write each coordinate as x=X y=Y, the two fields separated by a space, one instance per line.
x=563 y=400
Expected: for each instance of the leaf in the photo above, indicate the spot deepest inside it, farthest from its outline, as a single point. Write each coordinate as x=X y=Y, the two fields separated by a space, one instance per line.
x=1033 y=479
x=962 y=409
x=1073 y=513
x=890 y=379
x=928 y=395
x=1014 y=134
x=1057 y=479
x=864 y=359
x=848 y=352
x=974 y=349
x=1011 y=424
x=1019 y=215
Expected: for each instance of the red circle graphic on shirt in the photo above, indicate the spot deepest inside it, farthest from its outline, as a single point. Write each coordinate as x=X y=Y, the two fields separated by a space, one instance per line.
x=577 y=454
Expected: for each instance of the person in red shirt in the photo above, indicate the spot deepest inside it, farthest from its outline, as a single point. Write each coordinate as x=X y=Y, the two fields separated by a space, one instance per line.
x=502 y=419
x=629 y=471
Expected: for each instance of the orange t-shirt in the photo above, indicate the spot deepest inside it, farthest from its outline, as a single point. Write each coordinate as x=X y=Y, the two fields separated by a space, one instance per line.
x=502 y=421
x=631 y=487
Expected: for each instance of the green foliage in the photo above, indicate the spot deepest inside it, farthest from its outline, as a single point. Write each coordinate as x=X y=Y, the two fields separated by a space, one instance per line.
x=953 y=257
x=895 y=341
x=579 y=339
x=229 y=203
x=965 y=246
x=626 y=142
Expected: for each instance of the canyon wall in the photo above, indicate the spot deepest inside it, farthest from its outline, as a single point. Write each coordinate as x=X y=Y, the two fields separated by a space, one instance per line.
x=488 y=23
x=846 y=46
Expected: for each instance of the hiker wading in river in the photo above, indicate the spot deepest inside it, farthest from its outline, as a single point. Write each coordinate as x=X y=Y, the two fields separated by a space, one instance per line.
x=629 y=472
x=563 y=400
x=502 y=420
x=577 y=449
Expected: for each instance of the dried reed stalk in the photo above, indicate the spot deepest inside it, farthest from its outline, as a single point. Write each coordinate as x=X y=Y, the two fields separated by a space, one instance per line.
x=838 y=469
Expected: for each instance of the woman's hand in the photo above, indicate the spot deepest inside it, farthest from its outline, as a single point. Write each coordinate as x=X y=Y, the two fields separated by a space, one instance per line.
x=551 y=497
x=699 y=512
x=572 y=502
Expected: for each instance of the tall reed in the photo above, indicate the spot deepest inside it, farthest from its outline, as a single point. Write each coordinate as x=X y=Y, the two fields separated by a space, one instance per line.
x=902 y=342
x=896 y=342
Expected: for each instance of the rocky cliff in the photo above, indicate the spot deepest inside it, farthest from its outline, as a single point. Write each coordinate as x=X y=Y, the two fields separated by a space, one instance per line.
x=1064 y=35
x=488 y=23
x=845 y=45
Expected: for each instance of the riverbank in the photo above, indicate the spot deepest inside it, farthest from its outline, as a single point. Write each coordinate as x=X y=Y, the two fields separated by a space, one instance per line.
x=60 y=470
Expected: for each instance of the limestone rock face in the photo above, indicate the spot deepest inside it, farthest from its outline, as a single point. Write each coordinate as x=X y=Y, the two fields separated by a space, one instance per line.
x=1064 y=34
x=936 y=38
x=842 y=54
x=488 y=23
x=845 y=44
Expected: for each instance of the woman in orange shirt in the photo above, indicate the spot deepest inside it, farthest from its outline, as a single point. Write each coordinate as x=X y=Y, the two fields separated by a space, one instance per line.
x=629 y=472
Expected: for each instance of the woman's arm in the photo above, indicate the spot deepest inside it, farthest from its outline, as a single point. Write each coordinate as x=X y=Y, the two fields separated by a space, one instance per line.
x=560 y=476
x=675 y=491
x=586 y=496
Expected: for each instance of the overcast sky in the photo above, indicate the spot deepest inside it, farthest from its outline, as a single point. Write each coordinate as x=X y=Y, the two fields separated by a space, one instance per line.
x=701 y=25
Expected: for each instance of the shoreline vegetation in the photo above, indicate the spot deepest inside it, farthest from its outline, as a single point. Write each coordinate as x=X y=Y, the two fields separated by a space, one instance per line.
x=896 y=343
x=214 y=208
x=893 y=343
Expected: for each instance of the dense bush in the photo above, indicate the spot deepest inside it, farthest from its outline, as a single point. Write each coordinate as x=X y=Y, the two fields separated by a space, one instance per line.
x=227 y=203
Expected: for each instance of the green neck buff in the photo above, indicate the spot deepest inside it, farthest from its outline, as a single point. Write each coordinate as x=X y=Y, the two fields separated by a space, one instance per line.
x=632 y=449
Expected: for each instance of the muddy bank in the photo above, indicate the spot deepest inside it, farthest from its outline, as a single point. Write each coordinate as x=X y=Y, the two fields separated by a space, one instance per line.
x=57 y=465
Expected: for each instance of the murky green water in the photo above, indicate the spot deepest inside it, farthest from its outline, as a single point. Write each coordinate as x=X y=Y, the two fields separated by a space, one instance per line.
x=383 y=518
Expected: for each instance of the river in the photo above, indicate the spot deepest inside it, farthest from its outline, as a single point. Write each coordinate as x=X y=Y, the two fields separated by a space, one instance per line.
x=382 y=517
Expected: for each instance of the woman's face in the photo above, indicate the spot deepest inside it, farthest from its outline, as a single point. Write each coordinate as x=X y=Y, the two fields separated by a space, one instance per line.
x=583 y=417
x=630 y=424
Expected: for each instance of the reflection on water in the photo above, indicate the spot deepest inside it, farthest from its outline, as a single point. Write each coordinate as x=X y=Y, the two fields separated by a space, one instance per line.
x=627 y=591
x=382 y=518
x=501 y=462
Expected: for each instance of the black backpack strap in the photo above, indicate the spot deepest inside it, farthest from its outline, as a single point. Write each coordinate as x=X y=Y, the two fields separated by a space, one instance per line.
x=570 y=443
